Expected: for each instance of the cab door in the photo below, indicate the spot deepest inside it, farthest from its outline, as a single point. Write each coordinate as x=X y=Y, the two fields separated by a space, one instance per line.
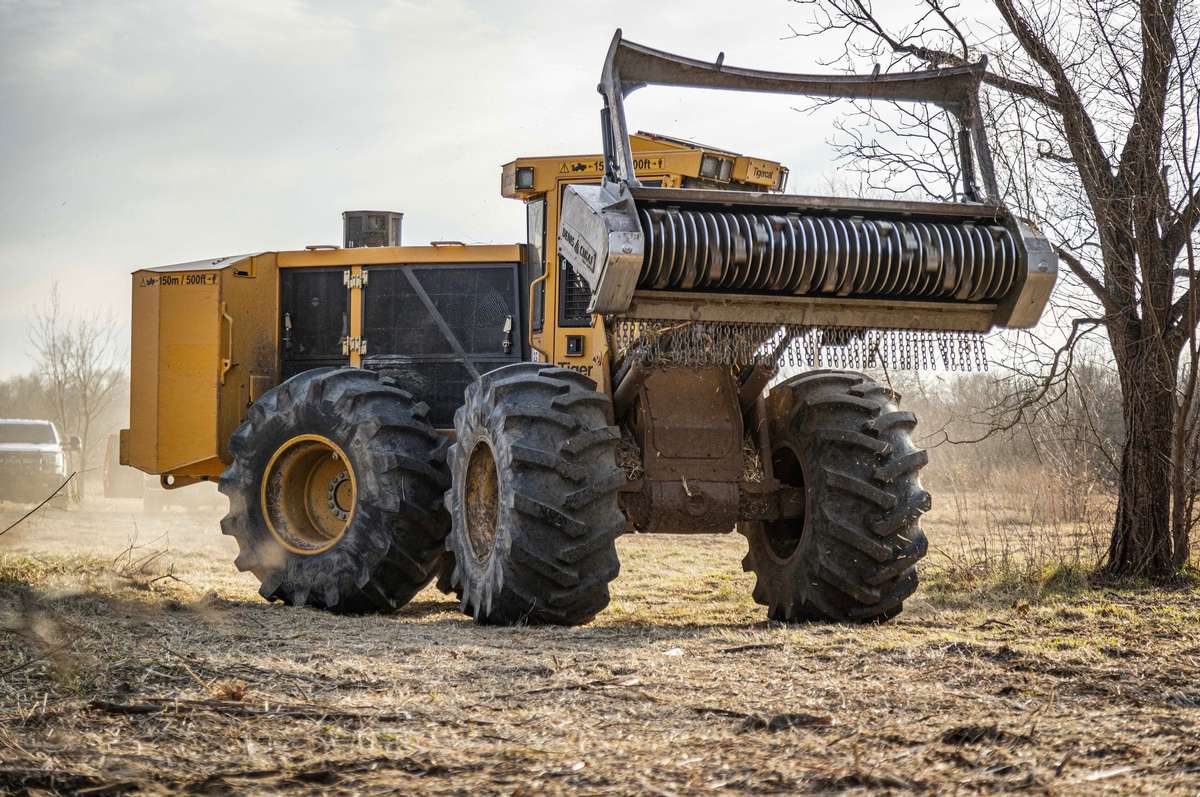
x=314 y=318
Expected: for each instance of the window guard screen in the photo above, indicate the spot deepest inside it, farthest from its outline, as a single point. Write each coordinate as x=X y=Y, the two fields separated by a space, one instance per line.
x=409 y=343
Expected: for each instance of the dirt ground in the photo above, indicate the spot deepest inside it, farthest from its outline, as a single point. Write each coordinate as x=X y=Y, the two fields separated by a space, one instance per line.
x=160 y=670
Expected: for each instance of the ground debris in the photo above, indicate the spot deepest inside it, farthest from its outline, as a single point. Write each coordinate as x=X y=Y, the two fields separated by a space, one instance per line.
x=158 y=705
x=229 y=689
x=749 y=648
x=975 y=734
x=873 y=781
x=236 y=695
x=324 y=773
x=21 y=780
x=785 y=722
x=770 y=723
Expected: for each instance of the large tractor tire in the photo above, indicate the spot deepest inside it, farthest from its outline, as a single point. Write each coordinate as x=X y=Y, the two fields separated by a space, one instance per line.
x=335 y=492
x=533 y=499
x=852 y=557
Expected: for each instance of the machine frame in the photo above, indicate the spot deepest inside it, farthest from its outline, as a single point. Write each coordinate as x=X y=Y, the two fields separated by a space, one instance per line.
x=618 y=372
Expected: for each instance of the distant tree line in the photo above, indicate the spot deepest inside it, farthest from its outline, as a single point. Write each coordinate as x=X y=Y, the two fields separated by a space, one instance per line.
x=78 y=381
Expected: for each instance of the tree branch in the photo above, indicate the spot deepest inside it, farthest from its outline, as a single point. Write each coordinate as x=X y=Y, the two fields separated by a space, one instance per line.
x=1144 y=141
x=1176 y=235
x=1112 y=307
x=1081 y=131
x=936 y=57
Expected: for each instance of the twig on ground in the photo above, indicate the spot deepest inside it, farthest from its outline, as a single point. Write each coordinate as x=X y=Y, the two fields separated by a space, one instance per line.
x=760 y=646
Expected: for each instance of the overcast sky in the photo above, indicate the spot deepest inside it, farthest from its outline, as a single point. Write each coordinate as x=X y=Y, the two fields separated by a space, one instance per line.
x=143 y=133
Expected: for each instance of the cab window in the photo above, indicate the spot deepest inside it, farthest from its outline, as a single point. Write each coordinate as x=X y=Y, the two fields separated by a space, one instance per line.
x=535 y=222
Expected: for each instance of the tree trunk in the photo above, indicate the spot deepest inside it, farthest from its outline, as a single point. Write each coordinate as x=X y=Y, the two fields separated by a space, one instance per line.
x=1183 y=487
x=1142 y=544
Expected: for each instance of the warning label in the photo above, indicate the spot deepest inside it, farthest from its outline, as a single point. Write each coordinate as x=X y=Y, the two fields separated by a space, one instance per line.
x=581 y=167
x=176 y=280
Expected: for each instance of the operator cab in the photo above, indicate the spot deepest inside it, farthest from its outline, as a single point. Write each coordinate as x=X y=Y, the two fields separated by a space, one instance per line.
x=563 y=332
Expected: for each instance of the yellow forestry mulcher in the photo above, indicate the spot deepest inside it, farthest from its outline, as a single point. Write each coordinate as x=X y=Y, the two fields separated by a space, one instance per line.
x=494 y=417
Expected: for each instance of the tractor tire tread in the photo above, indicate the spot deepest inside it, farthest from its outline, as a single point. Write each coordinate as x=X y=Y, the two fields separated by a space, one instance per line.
x=857 y=559
x=554 y=551
x=399 y=521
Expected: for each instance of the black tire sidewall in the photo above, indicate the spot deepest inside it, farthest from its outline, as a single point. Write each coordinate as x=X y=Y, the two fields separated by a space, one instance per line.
x=554 y=551
x=392 y=546
x=486 y=575
x=782 y=576
x=358 y=546
x=798 y=587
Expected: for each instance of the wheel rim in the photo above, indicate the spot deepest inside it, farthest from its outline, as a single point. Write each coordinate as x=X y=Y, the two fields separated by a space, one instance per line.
x=309 y=494
x=482 y=500
x=784 y=537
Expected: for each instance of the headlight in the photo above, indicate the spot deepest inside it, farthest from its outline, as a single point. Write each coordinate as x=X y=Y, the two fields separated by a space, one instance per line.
x=715 y=168
x=52 y=461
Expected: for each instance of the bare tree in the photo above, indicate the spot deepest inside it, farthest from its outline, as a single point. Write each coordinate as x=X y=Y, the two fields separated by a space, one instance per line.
x=1093 y=112
x=77 y=362
x=48 y=335
x=93 y=375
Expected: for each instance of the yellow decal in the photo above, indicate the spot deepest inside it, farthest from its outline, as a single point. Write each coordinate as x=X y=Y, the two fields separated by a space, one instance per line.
x=581 y=167
x=171 y=280
x=761 y=172
x=597 y=166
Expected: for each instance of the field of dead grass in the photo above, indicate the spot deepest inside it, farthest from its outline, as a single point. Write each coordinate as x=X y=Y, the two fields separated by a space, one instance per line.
x=157 y=669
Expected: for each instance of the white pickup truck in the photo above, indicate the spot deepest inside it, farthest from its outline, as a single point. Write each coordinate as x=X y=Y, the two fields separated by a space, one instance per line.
x=33 y=459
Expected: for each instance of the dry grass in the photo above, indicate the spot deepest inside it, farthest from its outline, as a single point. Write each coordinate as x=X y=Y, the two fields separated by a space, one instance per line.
x=1022 y=533
x=117 y=680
